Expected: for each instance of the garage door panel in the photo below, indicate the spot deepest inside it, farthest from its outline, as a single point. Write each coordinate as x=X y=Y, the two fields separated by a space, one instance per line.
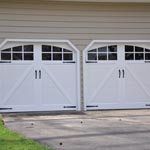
x=138 y=94
x=140 y=73
x=23 y=94
x=97 y=77
x=109 y=91
x=52 y=95
x=102 y=84
x=13 y=83
x=59 y=85
x=137 y=85
x=10 y=75
x=52 y=90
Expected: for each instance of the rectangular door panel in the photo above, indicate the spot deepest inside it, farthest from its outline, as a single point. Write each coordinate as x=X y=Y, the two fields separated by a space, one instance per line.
x=58 y=85
x=101 y=85
x=17 y=85
x=137 y=83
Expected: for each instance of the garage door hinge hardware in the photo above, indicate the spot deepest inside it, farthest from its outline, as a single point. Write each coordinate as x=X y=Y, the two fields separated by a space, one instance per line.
x=148 y=105
x=5 y=62
x=69 y=106
x=73 y=62
x=91 y=61
x=5 y=108
x=147 y=61
x=88 y=106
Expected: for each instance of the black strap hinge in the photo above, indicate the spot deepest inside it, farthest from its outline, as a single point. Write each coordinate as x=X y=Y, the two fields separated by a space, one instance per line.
x=5 y=108
x=91 y=61
x=2 y=62
x=147 y=61
x=69 y=106
x=90 y=106
x=72 y=62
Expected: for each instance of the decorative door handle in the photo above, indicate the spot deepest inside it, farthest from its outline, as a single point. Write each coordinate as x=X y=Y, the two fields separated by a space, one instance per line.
x=119 y=73
x=35 y=74
x=123 y=73
x=40 y=74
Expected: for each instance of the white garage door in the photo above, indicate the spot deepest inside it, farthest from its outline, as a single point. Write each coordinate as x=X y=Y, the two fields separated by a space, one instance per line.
x=38 y=77
x=116 y=76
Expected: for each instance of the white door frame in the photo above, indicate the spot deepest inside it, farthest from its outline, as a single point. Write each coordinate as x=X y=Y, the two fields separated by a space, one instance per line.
x=55 y=41
x=108 y=42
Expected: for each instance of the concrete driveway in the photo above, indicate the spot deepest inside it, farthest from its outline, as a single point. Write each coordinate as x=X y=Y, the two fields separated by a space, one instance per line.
x=96 y=130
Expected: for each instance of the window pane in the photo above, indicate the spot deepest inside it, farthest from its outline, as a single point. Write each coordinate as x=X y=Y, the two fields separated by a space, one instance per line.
x=17 y=49
x=102 y=56
x=112 y=48
x=66 y=50
x=139 y=56
x=6 y=50
x=46 y=56
x=93 y=50
x=28 y=48
x=147 y=56
x=57 y=49
x=46 y=48
x=112 y=56
x=129 y=56
x=129 y=48
x=5 y=56
x=102 y=49
x=17 y=56
x=147 y=50
x=28 y=56
x=57 y=56
x=68 y=56
x=139 y=49
x=92 y=56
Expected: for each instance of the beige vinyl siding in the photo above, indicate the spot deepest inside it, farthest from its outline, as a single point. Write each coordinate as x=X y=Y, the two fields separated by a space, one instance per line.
x=78 y=22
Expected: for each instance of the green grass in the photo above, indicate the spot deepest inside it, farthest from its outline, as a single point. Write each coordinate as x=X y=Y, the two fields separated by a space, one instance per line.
x=10 y=140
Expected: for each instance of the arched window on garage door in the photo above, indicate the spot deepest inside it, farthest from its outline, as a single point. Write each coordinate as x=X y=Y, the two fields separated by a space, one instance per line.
x=104 y=53
x=134 y=53
x=55 y=53
x=17 y=53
